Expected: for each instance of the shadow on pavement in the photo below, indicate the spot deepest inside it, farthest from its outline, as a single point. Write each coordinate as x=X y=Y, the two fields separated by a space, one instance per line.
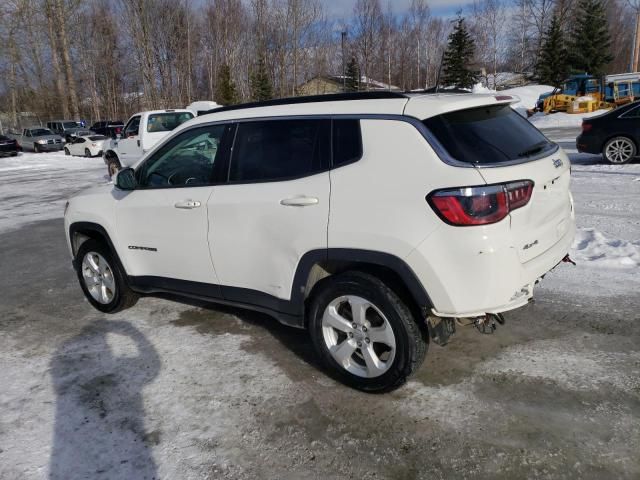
x=99 y=425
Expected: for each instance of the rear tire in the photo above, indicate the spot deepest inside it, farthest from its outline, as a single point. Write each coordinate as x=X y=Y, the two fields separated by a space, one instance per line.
x=102 y=279
x=364 y=333
x=619 y=150
x=87 y=153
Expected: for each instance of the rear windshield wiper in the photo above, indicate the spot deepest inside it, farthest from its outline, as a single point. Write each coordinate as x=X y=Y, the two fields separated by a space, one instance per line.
x=538 y=147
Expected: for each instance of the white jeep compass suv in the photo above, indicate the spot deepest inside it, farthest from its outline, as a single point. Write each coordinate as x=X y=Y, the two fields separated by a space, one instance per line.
x=376 y=221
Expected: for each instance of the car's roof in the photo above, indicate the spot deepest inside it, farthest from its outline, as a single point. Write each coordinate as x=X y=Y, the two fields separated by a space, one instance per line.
x=168 y=110
x=420 y=106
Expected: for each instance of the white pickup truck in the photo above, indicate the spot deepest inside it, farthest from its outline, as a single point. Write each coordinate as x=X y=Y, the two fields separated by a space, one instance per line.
x=140 y=134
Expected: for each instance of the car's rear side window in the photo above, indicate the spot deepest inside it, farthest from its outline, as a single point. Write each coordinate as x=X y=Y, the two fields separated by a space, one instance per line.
x=488 y=135
x=280 y=149
x=347 y=141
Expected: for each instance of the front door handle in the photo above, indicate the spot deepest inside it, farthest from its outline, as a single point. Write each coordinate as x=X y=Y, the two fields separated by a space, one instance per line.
x=187 y=204
x=299 y=201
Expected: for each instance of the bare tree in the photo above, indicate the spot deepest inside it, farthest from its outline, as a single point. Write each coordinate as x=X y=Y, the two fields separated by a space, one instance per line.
x=367 y=25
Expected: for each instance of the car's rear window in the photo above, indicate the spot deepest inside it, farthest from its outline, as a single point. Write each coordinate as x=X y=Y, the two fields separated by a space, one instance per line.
x=165 y=122
x=95 y=138
x=488 y=135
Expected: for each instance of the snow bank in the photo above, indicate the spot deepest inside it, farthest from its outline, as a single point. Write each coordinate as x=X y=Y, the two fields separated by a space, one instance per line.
x=561 y=119
x=528 y=95
x=592 y=247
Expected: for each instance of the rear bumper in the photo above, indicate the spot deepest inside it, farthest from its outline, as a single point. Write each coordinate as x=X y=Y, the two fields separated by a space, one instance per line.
x=588 y=144
x=474 y=271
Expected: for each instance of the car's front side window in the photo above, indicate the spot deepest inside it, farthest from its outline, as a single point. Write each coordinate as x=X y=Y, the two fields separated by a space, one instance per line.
x=186 y=160
x=132 y=127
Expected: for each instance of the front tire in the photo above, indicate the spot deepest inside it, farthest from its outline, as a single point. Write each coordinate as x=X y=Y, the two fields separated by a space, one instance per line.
x=619 y=150
x=364 y=333
x=87 y=153
x=67 y=152
x=102 y=279
x=113 y=165
x=36 y=148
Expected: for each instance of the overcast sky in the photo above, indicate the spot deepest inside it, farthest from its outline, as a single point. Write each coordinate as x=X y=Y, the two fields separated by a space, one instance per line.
x=344 y=8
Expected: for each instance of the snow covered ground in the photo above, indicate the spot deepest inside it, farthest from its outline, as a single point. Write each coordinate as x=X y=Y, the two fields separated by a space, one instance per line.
x=35 y=187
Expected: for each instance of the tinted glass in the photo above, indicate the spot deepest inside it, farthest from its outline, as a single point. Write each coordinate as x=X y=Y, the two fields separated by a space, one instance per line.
x=280 y=149
x=491 y=134
x=186 y=160
x=69 y=124
x=165 y=122
x=95 y=138
x=132 y=127
x=347 y=142
x=632 y=113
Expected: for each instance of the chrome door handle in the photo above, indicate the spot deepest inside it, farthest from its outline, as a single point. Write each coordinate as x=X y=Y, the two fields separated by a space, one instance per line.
x=299 y=201
x=187 y=204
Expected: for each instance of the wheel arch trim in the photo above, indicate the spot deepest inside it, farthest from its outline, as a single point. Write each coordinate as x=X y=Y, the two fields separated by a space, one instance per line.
x=81 y=227
x=357 y=256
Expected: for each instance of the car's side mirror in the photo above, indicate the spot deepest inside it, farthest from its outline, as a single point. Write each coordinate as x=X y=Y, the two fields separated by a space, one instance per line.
x=125 y=179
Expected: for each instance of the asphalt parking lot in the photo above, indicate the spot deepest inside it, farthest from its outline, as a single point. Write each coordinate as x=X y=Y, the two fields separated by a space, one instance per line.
x=182 y=390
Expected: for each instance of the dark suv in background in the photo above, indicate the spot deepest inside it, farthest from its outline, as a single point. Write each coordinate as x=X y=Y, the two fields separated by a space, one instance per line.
x=65 y=128
x=108 y=128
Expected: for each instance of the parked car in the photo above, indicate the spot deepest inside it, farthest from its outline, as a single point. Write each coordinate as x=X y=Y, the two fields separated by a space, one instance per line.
x=65 y=128
x=615 y=134
x=142 y=132
x=9 y=146
x=374 y=220
x=40 y=139
x=86 y=145
x=109 y=128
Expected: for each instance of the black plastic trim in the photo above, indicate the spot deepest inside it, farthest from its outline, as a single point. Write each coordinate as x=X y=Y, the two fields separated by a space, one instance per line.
x=290 y=312
x=335 y=97
x=79 y=227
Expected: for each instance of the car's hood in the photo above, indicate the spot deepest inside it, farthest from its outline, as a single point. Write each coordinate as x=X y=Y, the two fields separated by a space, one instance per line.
x=48 y=137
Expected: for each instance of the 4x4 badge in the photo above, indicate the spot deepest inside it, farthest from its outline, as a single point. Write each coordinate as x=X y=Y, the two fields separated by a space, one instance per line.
x=557 y=162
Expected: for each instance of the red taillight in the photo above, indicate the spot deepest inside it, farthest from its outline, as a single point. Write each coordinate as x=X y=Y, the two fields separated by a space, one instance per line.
x=586 y=127
x=480 y=205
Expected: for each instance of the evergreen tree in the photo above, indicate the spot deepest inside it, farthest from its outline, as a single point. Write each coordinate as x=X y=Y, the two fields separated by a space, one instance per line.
x=352 y=82
x=457 y=57
x=590 y=43
x=553 y=67
x=261 y=88
x=225 y=93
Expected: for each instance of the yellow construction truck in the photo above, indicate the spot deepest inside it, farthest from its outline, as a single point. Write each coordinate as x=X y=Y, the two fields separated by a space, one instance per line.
x=586 y=93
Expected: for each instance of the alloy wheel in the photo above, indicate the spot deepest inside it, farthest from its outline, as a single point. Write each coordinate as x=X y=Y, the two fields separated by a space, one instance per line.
x=358 y=336
x=98 y=278
x=620 y=150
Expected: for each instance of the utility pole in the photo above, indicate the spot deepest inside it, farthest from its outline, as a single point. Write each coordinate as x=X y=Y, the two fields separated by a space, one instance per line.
x=343 y=36
x=635 y=47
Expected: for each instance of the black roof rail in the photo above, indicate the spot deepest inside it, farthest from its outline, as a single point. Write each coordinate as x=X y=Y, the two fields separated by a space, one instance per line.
x=331 y=97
